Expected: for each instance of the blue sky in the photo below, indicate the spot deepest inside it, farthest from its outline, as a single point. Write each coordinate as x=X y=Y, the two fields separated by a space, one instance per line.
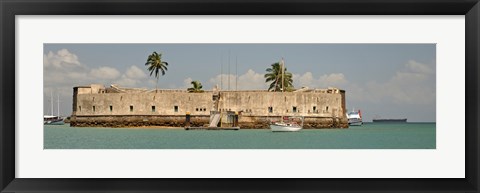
x=383 y=80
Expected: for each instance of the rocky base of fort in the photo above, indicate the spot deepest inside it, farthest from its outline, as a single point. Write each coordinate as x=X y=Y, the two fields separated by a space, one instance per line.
x=258 y=122
x=245 y=122
x=137 y=121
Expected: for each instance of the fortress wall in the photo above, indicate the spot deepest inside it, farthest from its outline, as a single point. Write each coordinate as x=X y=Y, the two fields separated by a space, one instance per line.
x=287 y=104
x=91 y=107
x=144 y=103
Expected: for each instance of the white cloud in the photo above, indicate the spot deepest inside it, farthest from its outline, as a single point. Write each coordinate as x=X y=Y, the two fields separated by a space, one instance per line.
x=63 y=69
x=335 y=79
x=304 y=80
x=126 y=82
x=417 y=67
x=106 y=73
x=324 y=81
x=187 y=83
x=414 y=84
x=133 y=77
x=251 y=80
x=135 y=73
x=60 y=59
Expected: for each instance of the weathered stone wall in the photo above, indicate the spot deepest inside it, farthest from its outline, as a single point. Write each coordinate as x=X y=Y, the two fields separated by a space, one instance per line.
x=112 y=108
x=262 y=122
x=136 y=121
x=150 y=103
x=257 y=103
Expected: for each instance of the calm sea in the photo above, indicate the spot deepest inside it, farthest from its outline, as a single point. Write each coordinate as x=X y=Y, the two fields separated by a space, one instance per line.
x=368 y=136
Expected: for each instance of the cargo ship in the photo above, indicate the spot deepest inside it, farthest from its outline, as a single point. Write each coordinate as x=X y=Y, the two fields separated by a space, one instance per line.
x=389 y=120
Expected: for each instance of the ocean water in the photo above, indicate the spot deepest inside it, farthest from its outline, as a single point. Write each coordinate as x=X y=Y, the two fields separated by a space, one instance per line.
x=368 y=136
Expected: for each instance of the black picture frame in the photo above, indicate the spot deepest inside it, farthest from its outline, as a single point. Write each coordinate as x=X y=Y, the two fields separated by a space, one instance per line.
x=10 y=8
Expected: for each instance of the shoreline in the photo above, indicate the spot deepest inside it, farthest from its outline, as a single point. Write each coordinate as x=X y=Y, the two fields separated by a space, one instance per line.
x=127 y=127
x=178 y=128
x=147 y=127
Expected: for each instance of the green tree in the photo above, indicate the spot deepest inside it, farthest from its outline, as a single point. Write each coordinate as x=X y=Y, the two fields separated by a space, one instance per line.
x=274 y=77
x=156 y=65
x=196 y=87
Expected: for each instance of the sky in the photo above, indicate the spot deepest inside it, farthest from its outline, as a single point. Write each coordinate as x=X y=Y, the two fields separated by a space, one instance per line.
x=382 y=80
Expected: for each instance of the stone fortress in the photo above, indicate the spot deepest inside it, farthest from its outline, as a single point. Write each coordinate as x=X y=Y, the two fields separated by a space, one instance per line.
x=100 y=106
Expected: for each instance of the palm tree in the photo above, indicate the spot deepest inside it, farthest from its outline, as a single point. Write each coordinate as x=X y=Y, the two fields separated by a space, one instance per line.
x=274 y=75
x=155 y=64
x=196 y=87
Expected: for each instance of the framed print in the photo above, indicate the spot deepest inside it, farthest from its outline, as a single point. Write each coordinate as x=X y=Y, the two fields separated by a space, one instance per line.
x=255 y=96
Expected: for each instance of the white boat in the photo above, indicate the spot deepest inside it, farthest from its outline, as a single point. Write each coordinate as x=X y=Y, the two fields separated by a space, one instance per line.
x=283 y=126
x=52 y=119
x=354 y=118
x=286 y=125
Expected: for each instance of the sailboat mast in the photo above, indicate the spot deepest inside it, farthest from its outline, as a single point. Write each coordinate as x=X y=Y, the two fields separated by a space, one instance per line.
x=228 y=70
x=236 y=73
x=51 y=101
x=221 y=71
x=58 y=104
x=282 y=66
x=283 y=71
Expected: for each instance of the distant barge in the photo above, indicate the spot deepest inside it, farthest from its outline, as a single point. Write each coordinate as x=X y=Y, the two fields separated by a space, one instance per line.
x=389 y=120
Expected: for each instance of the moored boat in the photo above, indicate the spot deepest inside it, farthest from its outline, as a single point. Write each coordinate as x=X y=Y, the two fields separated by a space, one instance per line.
x=354 y=118
x=285 y=127
x=53 y=120
x=287 y=124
